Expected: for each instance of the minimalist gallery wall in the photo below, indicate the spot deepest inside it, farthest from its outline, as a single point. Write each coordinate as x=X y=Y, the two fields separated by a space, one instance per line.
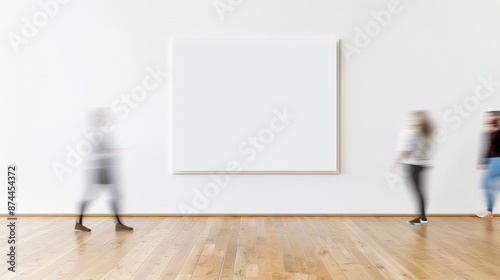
x=60 y=59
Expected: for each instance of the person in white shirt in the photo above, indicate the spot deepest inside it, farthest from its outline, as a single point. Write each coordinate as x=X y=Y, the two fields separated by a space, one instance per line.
x=414 y=147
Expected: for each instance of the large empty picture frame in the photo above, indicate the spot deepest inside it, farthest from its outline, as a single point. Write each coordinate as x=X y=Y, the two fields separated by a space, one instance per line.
x=255 y=106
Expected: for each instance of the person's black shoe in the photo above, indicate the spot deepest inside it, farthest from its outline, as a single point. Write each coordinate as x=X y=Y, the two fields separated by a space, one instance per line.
x=81 y=227
x=417 y=221
x=120 y=226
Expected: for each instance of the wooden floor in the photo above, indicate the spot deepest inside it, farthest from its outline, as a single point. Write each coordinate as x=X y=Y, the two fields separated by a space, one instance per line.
x=256 y=248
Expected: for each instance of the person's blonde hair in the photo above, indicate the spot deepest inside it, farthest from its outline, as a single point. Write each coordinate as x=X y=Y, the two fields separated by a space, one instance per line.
x=424 y=122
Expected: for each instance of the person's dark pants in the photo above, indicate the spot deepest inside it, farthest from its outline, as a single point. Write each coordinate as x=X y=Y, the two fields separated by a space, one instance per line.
x=102 y=176
x=415 y=176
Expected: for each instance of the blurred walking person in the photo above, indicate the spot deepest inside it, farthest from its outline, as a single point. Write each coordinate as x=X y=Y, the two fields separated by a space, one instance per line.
x=414 y=148
x=101 y=169
x=490 y=160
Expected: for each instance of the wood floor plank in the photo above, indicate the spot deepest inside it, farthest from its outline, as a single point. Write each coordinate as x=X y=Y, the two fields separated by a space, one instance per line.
x=161 y=257
x=345 y=252
x=382 y=246
x=220 y=263
x=120 y=249
x=252 y=248
x=87 y=244
x=262 y=248
x=51 y=251
x=175 y=265
x=310 y=265
x=279 y=270
x=285 y=248
x=229 y=258
x=103 y=249
x=323 y=247
x=367 y=242
x=204 y=266
x=156 y=236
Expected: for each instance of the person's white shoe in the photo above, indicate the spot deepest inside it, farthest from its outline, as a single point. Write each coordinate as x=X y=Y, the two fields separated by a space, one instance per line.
x=485 y=214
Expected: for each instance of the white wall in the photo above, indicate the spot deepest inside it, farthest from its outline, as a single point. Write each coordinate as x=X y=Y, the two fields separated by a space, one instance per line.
x=430 y=55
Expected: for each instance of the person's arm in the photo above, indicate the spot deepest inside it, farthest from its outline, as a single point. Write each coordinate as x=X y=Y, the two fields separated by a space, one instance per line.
x=404 y=147
x=484 y=150
x=400 y=156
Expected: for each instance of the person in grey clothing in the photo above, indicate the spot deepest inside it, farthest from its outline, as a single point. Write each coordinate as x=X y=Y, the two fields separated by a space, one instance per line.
x=101 y=170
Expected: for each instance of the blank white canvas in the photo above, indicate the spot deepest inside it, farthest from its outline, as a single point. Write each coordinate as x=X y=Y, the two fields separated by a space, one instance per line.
x=229 y=98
